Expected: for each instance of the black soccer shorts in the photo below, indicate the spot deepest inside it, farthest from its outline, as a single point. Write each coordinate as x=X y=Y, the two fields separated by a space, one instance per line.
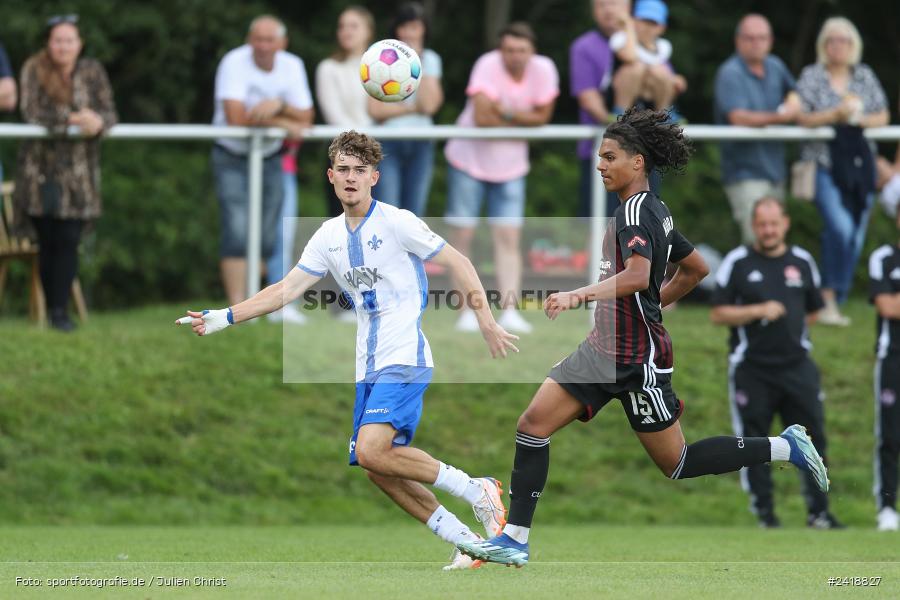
x=645 y=393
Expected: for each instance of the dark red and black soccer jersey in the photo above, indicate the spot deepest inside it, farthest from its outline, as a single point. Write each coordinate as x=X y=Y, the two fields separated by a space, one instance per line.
x=629 y=330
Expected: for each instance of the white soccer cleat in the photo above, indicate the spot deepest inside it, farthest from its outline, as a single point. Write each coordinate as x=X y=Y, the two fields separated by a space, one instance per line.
x=467 y=322
x=888 y=519
x=489 y=509
x=511 y=320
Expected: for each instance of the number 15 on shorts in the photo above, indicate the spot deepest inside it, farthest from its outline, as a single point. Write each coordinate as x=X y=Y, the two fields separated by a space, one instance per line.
x=639 y=404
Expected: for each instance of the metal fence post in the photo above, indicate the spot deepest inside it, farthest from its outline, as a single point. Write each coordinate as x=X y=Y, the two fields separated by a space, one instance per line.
x=598 y=215
x=254 y=222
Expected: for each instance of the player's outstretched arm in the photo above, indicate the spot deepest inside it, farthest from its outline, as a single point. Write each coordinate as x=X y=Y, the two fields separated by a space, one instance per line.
x=634 y=278
x=499 y=340
x=691 y=271
x=266 y=301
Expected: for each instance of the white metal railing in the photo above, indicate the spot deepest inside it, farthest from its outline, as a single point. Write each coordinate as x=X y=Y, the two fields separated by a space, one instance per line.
x=257 y=137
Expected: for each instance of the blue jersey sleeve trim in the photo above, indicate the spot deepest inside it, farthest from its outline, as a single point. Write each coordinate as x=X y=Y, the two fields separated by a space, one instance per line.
x=310 y=271
x=433 y=254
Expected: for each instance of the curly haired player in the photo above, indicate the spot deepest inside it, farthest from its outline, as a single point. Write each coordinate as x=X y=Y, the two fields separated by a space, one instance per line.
x=628 y=355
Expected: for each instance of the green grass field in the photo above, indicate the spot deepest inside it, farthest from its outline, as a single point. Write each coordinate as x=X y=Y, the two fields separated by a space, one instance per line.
x=133 y=421
x=404 y=561
x=134 y=449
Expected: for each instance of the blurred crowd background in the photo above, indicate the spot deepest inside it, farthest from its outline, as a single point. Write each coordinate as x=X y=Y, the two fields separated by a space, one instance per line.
x=161 y=61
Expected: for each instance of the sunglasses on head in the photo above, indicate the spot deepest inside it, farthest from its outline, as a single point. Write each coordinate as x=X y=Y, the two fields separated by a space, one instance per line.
x=58 y=19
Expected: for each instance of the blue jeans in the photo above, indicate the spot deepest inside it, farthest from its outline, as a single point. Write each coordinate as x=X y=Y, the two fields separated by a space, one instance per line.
x=406 y=174
x=232 y=188
x=282 y=260
x=842 y=238
x=465 y=194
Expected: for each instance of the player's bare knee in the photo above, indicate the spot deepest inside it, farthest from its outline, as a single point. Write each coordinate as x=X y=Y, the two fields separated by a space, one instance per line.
x=529 y=425
x=370 y=458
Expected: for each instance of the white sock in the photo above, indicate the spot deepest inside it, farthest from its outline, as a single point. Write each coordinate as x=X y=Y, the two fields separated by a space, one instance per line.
x=458 y=483
x=448 y=527
x=517 y=532
x=781 y=450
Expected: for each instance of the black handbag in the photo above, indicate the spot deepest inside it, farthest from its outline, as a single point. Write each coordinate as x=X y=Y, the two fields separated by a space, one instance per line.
x=853 y=168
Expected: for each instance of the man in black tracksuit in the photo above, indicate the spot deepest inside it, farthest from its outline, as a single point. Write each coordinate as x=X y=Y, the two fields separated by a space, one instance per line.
x=884 y=291
x=768 y=293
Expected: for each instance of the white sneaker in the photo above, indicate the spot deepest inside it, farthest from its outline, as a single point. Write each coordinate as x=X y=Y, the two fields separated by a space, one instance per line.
x=293 y=315
x=347 y=316
x=888 y=519
x=467 y=321
x=460 y=562
x=512 y=321
x=288 y=314
x=489 y=509
x=830 y=315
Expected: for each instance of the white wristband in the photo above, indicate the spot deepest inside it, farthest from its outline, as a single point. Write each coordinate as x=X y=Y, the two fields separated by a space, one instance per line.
x=217 y=320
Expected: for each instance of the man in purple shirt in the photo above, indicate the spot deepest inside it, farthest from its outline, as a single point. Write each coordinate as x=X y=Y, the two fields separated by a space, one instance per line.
x=590 y=73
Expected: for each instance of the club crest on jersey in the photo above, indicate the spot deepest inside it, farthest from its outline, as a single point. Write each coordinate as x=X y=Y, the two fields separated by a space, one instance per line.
x=792 y=276
x=362 y=276
x=888 y=397
x=895 y=274
x=375 y=243
x=637 y=240
x=755 y=276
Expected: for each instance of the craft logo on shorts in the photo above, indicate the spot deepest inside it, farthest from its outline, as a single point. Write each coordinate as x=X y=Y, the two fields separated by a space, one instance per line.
x=888 y=397
x=637 y=240
x=740 y=398
x=792 y=276
x=377 y=411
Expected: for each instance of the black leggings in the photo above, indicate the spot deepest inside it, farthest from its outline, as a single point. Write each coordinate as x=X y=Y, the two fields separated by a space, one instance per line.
x=58 y=239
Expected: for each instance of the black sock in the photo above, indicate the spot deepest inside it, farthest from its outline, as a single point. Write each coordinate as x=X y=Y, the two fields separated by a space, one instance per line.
x=528 y=477
x=722 y=454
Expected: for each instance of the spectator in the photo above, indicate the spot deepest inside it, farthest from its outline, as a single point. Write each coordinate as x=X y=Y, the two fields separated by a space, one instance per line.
x=884 y=292
x=649 y=78
x=767 y=293
x=341 y=98
x=58 y=179
x=753 y=89
x=282 y=259
x=839 y=90
x=512 y=87
x=408 y=164
x=260 y=85
x=888 y=182
x=7 y=89
x=591 y=63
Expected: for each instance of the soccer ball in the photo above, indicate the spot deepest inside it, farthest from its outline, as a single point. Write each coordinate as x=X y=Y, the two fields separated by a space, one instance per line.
x=390 y=71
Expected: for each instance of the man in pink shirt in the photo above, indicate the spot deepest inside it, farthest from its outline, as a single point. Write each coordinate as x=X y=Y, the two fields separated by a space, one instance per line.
x=508 y=87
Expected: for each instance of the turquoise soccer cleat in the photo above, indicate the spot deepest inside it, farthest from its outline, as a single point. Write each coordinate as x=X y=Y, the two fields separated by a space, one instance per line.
x=805 y=456
x=501 y=549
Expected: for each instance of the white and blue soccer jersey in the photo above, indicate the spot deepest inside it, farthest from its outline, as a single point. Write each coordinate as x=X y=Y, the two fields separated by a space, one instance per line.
x=380 y=265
